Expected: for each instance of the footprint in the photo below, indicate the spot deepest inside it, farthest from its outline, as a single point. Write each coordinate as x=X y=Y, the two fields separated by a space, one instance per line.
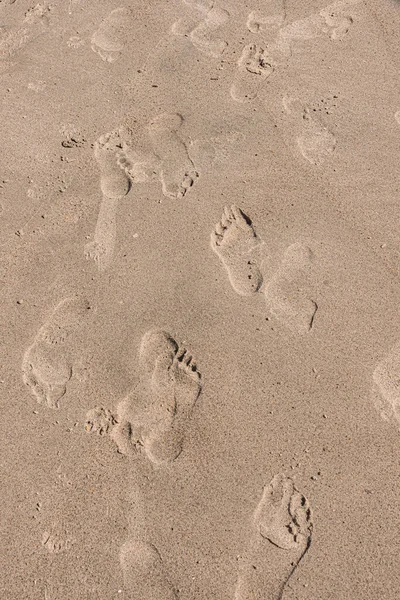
x=202 y=36
x=254 y=67
x=316 y=143
x=154 y=416
x=337 y=18
x=112 y=35
x=144 y=574
x=114 y=185
x=287 y=293
x=259 y=23
x=234 y=241
x=177 y=171
x=99 y=420
x=281 y=534
x=35 y=23
x=386 y=392
x=47 y=363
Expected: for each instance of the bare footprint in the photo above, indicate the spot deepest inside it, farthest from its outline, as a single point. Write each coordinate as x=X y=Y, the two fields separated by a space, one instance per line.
x=281 y=533
x=386 y=391
x=287 y=293
x=114 y=182
x=177 y=171
x=154 y=416
x=202 y=36
x=145 y=577
x=315 y=142
x=258 y=22
x=110 y=38
x=254 y=67
x=234 y=241
x=47 y=363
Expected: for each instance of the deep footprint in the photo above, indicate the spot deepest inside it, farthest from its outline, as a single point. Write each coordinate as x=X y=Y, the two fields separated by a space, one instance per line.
x=177 y=171
x=234 y=241
x=47 y=363
x=288 y=292
x=144 y=574
x=281 y=533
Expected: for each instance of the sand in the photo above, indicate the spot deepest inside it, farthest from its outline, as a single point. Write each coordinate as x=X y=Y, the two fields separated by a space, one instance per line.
x=199 y=259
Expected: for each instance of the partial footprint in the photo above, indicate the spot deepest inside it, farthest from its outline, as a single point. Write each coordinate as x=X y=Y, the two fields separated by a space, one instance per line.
x=154 y=416
x=338 y=18
x=202 y=35
x=234 y=241
x=288 y=292
x=145 y=577
x=386 y=392
x=177 y=171
x=254 y=67
x=99 y=420
x=112 y=35
x=258 y=22
x=315 y=142
x=35 y=23
x=47 y=364
x=281 y=534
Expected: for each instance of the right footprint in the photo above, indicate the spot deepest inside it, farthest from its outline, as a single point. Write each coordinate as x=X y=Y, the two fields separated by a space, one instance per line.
x=287 y=293
x=281 y=534
x=234 y=242
x=154 y=415
x=47 y=363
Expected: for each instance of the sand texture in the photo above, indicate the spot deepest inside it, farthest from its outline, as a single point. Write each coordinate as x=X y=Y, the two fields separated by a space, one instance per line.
x=200 y=300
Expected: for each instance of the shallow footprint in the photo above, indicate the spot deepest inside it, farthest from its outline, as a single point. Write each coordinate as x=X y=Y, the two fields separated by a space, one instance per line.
x=316 y=143
x=144 y=574
x=281 y=534
x=201 y=36
x=110 y=38
x=254 y=67
x=177 y=171
x=47 y=363
x=287 y=293
x=234 y=241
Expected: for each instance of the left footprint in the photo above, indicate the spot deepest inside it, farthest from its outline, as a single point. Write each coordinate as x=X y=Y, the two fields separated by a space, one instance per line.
x=47 y=364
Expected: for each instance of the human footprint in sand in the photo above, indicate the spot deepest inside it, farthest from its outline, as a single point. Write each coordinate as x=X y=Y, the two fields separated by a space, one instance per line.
x=154 y=415
x=281 y=532
x=234 y=241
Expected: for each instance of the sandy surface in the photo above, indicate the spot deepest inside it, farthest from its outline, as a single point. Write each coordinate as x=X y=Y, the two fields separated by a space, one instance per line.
x=199 y=260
